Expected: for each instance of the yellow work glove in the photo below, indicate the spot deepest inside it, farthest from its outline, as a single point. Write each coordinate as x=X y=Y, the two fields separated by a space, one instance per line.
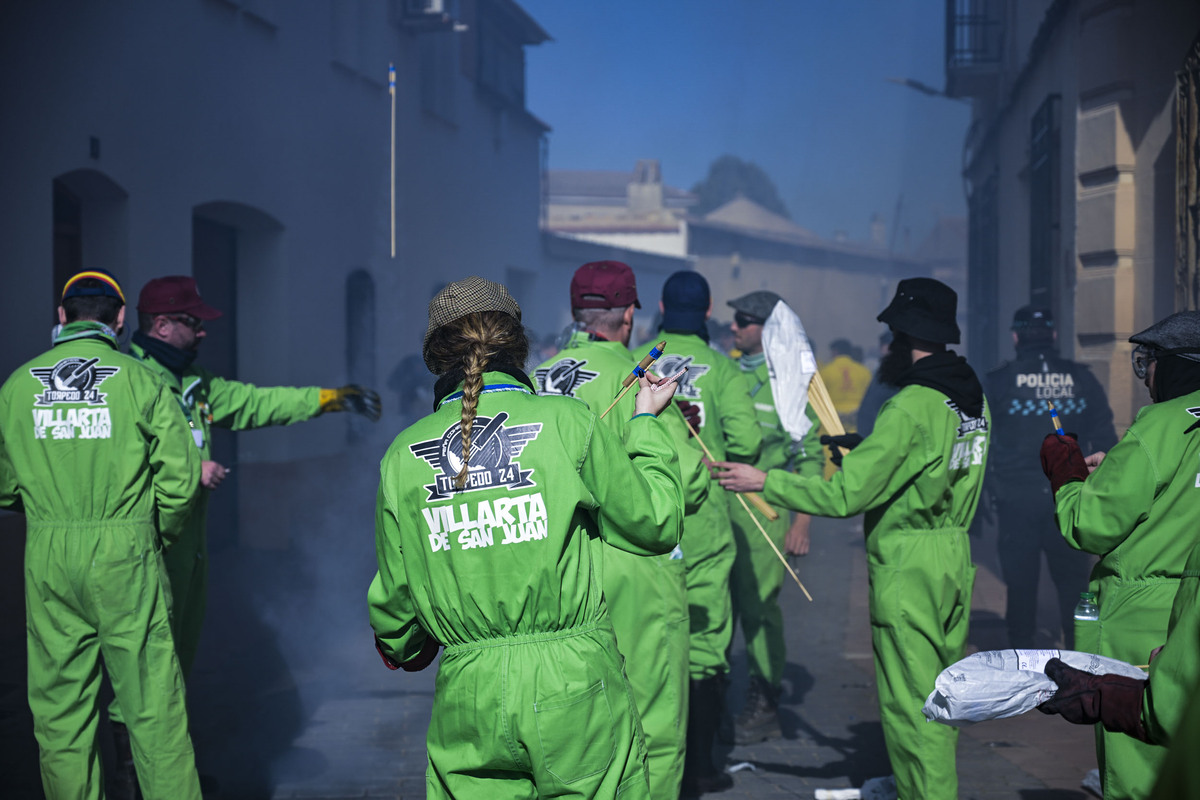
x=352 y=397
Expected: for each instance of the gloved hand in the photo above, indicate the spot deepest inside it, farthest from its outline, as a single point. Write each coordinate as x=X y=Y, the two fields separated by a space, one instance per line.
x=1085 y=699
x=429 y=651
x=846 y=441
x=1062 y=461
x=691 y=412
x=352 y=397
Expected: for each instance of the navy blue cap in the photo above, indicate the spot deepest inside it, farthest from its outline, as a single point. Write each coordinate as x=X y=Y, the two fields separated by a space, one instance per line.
x=686 y=300
x=101 y=284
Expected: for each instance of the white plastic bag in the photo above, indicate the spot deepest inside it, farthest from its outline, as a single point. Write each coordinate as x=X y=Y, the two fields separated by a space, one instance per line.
x=1004 y=683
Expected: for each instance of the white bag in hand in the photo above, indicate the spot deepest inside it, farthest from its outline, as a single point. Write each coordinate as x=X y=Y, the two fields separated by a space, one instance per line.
x=1004 y=683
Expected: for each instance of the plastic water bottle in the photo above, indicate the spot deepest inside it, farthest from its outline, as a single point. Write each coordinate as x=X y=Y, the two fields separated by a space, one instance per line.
x=1087 y=610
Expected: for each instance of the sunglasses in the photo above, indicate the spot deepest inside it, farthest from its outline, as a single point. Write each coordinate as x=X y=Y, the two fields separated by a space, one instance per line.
x=1142 y=357
x=745 y=320
x=186 y=319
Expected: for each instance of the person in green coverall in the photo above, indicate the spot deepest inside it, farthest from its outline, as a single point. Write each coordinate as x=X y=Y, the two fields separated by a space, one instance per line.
x=484 y=521
x=1136 y=512
x=647 y=596
x=171 y=318
x=917 y=477
x=96 y=454
x=729 y=429
x=758 y=575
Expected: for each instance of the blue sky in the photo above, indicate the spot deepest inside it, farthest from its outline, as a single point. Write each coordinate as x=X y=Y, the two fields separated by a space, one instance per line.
x=797 y=86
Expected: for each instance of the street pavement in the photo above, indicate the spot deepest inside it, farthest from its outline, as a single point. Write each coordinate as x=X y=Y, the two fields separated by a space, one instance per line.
x=290 y=700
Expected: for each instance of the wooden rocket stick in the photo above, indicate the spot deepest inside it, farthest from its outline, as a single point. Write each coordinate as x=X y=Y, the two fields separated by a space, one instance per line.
x=753 y=497
x=822 y=403
x=392 y=92
x=786 y=565
x=637 y=372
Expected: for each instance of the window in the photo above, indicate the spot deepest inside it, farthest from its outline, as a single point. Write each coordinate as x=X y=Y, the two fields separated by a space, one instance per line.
x=983 y=277
x=1187 y=183
x=1045 y=230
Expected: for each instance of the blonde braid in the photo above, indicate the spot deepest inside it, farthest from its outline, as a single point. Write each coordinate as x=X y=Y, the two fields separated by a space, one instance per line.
x=471 y=343
x=477 y=359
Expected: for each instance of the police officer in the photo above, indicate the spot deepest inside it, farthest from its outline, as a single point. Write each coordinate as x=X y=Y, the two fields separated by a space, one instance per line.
x=714 y=384
x=171 y=317
x=1018 y=391
x=484 y=518
x=95 y=452
x=758 y=575
x=647 y=596
x=917 y=477
x=1136 y=511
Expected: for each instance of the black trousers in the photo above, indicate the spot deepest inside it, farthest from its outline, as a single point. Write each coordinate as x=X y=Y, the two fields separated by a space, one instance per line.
x=1027 y=529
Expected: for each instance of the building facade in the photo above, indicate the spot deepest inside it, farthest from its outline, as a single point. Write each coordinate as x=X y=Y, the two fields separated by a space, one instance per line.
x=1081 y=169
x=248 y=143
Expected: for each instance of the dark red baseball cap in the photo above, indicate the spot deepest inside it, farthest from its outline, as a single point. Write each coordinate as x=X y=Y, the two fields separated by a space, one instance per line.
x=174 y=294
x=604 y=284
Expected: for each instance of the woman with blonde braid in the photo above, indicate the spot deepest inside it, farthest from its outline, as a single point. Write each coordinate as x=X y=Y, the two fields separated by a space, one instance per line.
x=483 y=519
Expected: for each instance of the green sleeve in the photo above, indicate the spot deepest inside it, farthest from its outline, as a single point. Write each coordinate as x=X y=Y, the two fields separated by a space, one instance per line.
x=871 y=474
x=174 y=461
x=739 y=422
x=241 y=406
x=1098 y=514
x=696 y=478
x=636 y=487
x=1174 y=673
x=392 y=612
x=10 y=498
x=810 y=458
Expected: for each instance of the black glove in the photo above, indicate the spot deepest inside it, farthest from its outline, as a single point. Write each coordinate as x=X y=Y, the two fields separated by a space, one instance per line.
x=423 y=659
x=1085 y=699
x=836 y=444
x=691 y=412
x=1062 y=460
x=352 y=397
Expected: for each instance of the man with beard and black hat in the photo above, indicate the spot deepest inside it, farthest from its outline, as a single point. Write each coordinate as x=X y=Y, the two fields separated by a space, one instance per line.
x=1136 y=510
x=171 y=317
x=917 y=477
x=1018 y=391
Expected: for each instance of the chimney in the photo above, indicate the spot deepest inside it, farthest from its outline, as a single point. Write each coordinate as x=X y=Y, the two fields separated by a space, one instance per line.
x=645 y=193
x=878 y=231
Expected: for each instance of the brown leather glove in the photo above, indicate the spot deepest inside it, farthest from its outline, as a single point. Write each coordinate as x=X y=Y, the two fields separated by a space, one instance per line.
x=1085 y=699
x=691 y=412
x=1062 y=461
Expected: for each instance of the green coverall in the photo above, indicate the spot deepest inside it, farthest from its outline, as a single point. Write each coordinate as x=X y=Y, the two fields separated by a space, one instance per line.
x=1137 y=512
x=917 y=477
x=646 y=595
x=97 y=455
x=758 y=575
x=531 y=698
x=208 y=401
x=1171 y=704
x=729 y=429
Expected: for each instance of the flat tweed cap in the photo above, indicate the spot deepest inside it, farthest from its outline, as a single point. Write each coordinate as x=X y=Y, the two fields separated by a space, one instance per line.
x=468 y=296
x=758 y=304
x=1178 y=333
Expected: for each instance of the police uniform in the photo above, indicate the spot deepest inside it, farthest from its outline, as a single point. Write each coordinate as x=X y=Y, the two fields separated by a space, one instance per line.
x=97 y=455
x=646 y=595
x=1018 y=391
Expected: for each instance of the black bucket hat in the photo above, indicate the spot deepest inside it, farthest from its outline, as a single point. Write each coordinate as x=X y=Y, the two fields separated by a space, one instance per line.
x=925 y=309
